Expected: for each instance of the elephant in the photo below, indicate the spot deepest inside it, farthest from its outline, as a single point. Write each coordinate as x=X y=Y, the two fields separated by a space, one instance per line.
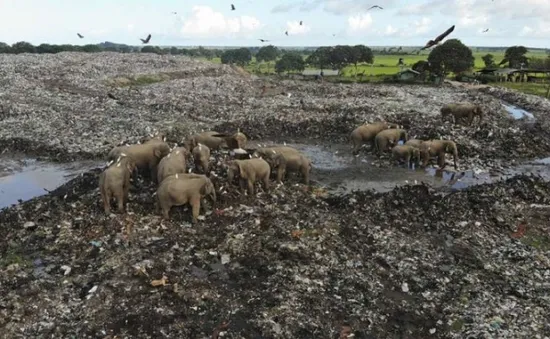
x=462 y=110
x=438 y=148
x=115 y=182
x=154 y=138
x=177 y=190
x=146 y=156
x=285 y=158
x=406 y=153
x=174 y=162
x=414 y=142
x=240 y=139
x=366 y=133
x=212 y=139
x=249 y=171
x=201 y=156
x=388 y=138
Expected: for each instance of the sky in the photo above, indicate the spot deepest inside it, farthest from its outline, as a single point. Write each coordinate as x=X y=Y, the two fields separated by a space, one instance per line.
x=325 y=22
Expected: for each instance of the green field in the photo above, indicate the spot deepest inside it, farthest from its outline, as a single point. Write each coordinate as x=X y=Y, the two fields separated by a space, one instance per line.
x=386 y=65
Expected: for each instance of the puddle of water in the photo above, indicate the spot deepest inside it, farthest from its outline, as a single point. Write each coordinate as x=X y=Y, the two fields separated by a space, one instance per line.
x=337 y=169
x=24 y=179
x=517 y=112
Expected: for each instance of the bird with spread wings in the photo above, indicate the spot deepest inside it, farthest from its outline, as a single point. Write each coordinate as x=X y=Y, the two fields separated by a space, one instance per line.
x=437 y=40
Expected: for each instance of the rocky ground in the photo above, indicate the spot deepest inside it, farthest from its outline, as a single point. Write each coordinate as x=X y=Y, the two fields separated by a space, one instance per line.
x=295 y=262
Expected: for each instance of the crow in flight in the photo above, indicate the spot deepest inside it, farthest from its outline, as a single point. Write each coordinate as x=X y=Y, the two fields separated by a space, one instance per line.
x=80 y=35
x=375 y=6
x=286 y=32
x=232 y=7
x=146 y=41
x=437 y=40
x=300 y=22
x=263 y=40
x=485 y=30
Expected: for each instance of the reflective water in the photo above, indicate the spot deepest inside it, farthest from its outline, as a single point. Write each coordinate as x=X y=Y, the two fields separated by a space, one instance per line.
x=517 y=112
x=23 y=179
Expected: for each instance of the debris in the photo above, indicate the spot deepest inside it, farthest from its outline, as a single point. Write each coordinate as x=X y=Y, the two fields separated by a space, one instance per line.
x=160 y=282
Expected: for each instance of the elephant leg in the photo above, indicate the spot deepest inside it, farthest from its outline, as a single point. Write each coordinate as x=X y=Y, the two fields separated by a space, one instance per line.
x=195 y=205
x=250 y=183
x=153 y=173
x=470 y=118
x=106 y=194
x=241 y=185
x=280 y=173
x=120 y=199
x=441 y=160
x=305 y=173
x=408 y=160
x=266 y=182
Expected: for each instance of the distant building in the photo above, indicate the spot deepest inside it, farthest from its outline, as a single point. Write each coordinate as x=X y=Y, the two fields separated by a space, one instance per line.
x=408 y=74
x=326 y=72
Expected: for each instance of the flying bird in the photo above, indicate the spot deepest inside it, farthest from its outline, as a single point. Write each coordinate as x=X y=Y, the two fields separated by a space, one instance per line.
x=263 y=40
x=286 y=32
x=375 y=6
x=437 y=40
x=301 y=22
x=146 y=41
x=485 y=30
x=232 y=7
x=80 y=35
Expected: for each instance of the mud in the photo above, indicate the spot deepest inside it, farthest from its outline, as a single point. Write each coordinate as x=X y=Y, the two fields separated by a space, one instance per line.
x=517 y=112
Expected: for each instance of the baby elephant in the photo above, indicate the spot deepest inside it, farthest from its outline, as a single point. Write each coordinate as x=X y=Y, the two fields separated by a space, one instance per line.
x=249 y=171
x=406 y=153
x=388 y=138
x=177 y=190
x=174 y=162
x=284 y=158
x=201 y=156
x=461 y=111
x=115 y=182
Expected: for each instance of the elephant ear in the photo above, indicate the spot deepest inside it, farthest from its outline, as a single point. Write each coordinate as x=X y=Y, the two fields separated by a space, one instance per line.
x=157 y=153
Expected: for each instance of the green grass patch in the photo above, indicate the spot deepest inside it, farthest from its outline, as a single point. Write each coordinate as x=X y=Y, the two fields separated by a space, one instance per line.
x=525 y=87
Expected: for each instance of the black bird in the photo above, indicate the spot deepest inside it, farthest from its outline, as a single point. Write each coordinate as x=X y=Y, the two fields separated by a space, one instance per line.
x=300 y=22
x=486 y=30
x=286 y=32
x=232 y=7
x=174 y=12
x=437 y=40
x=80 y=35
x=263 y=40
x=146 y=41
x=375 y=6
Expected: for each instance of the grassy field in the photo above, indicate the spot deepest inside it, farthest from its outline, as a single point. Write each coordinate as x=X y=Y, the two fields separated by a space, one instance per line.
x=386 y=65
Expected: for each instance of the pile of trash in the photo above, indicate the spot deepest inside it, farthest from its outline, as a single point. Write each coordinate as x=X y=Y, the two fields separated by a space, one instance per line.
x=78 y=105
x=292 y=262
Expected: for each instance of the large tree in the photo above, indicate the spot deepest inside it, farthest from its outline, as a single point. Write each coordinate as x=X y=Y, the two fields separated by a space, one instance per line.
x=267 y=54
x=489 y=60
x=291 y=61
x=321 y=58
x=239 y=56
x=515 y=56
x=451 y=56
x=360 y=54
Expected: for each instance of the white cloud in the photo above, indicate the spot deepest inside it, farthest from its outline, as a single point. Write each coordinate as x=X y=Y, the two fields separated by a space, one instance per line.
x=422 y=26
x=542 y=30
x=390 y=31
x=205 y=22
x=416 y=28
x=294 y=28
x=359 y=22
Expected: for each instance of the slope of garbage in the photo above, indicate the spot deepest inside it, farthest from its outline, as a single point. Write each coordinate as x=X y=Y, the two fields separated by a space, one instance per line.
x=292 y=262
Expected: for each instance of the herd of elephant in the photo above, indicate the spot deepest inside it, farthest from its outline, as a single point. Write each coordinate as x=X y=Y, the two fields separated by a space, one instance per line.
x=384 y=136
x=167 y=167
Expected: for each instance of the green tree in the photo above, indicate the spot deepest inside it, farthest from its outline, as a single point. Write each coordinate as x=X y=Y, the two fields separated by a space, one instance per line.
x=489 y=60
x=291 y=61
x=22 y=47
x=515 y=56
x=91 y=48
x=321 y=58
x=361 y=54
x=4 y=48
x=341 y=56
x=451 y=56
x=267 y=54
x=239 y=56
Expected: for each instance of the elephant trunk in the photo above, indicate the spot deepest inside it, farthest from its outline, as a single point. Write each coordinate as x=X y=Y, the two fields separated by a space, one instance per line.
x=213 y=196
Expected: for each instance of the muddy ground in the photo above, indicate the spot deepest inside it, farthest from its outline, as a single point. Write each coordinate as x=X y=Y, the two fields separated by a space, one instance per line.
x=428 y=259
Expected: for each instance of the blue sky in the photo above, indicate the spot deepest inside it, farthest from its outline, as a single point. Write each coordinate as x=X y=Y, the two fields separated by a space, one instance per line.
x=325 y=22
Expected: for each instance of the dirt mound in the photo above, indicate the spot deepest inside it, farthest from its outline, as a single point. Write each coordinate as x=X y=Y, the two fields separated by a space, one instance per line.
x=291 y=262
